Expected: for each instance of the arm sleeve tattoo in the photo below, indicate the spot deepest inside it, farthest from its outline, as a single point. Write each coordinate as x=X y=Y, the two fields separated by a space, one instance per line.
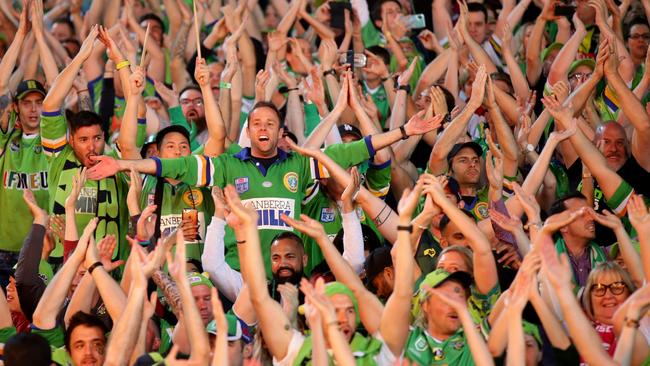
x=169 y=289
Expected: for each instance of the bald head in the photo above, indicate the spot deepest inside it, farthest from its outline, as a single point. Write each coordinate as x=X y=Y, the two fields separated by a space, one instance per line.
x=612 y=142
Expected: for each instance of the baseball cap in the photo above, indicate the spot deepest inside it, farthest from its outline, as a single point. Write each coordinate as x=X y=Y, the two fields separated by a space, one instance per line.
x=29 y=86
x=458 y=147
x=197 y=279
x=235 y=330
x=589 y=62
x=376 y=261
x=453 y=187
x=552 y=47
x=169 y=129
x=439 y=276
x=348 y=129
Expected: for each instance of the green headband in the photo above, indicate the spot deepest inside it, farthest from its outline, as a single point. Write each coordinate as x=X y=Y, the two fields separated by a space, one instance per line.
x=533 y=330
x=338 y=288
x=196 y=279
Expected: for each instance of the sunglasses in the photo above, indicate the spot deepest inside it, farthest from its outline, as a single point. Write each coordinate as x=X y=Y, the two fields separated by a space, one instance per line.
x=616 y=288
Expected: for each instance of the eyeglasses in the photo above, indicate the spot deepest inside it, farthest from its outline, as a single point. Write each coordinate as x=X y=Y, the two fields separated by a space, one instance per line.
x=616 y=288
x=580 y=76
x=196 y=102
x=644 y=36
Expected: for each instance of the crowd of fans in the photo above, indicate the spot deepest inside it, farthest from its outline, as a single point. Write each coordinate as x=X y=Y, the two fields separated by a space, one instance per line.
x=309 y=182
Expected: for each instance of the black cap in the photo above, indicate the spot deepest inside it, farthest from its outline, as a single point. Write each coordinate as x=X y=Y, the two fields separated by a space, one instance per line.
x=169 y=129
x=348 y=129
x=28 y=86
x=453 y=187
x=458 y=147
x=376 y=261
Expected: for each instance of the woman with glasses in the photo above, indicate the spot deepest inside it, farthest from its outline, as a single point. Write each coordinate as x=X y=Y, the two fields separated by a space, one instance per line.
x=607 y=289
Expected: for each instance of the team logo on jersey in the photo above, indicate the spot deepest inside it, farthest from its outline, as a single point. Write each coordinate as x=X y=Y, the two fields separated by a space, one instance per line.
x=14 y=146
x=38 y=149
x=438 y=354
x=291 y=181
x=193 y=197
x=430 y=252
x=241 y=184
x=327 y=214
x=421 y=344
x=267 y=184
x=481 y=210
x=151 y=199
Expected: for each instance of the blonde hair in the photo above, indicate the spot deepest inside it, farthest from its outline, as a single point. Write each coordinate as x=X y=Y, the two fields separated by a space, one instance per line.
x=601 y=269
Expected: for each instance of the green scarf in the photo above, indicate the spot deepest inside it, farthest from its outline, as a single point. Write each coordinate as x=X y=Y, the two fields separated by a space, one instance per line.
x=596 y=254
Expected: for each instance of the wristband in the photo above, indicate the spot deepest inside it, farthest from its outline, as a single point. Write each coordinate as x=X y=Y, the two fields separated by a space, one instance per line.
x=122 y=64
x=225 y=85
x=408 y=228
x=143 y=243
x=329 y=72
x=93 y=266
x=82 y=90
x=241 y=241
x=631 y=323
x=383 y=80
x=403 y=131
x=406 y=88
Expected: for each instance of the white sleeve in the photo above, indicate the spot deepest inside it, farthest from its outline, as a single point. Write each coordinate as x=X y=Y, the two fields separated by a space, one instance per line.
x=244 y=139
x=385 y=357
x=227 y=280
x=353 y=241
x=361 y=6
x=295 y=344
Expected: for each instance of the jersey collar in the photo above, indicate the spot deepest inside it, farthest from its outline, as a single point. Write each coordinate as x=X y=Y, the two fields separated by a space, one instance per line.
x=245 y=154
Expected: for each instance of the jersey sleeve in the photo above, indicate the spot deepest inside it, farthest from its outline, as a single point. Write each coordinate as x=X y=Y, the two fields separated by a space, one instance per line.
x=378 y=179
x=618 y=201
x=352 y=153
x=53 y=132
x=195 y=170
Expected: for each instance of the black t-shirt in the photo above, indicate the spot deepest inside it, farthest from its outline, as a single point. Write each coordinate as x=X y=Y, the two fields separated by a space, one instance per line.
x=266 y=162
x=636 y=176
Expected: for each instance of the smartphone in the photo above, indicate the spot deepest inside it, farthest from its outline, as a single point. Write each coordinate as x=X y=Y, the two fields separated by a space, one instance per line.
x=415 y=21
x=337 y=13
x=192 y=215
x=565 y=11
x=358 y=60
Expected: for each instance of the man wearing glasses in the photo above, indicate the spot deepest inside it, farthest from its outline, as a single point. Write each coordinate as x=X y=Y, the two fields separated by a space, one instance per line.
x=193 y=115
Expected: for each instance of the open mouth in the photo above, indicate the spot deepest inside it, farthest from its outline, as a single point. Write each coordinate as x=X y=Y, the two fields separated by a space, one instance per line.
x=264 y=138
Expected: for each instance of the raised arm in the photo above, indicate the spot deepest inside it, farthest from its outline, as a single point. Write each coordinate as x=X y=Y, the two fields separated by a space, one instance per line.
x=608 y=179
x=567 y=54
x=197 y=337
x=273 y=322
x=63 y=82
x=634 y=111
x=55 y=293
x=47 y=58
x=485 y=271
x=216 y=127
x=129 y=127
x=458 y=126
x=127 y=326
x=7 y=65
x=395 y=318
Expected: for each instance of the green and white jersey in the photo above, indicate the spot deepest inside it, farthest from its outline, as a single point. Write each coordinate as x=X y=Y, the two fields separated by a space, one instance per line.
x=105 y=199
x=278 y=190
x=24 y=166
x=424 y=350
x=176 y=198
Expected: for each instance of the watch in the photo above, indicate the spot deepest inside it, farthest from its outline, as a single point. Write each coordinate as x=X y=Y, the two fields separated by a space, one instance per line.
x=403 y=131
x=530 y=148
x=406 y=87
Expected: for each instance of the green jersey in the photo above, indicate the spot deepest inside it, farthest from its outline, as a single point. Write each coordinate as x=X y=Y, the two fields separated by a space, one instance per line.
x=174 y=199
x=278 y=189
x=105 y=199
x=24 y=166
x=424 y=350
x=380 y=97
